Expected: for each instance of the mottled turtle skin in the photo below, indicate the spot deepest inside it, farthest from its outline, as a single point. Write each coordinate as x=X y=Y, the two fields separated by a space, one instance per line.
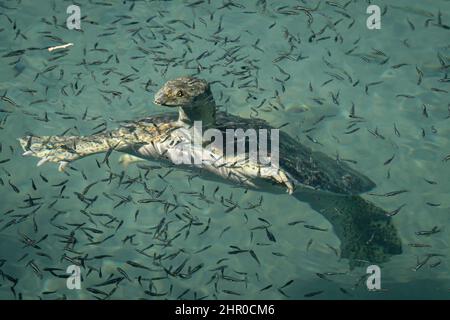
x=65 y=149
x=181 y=91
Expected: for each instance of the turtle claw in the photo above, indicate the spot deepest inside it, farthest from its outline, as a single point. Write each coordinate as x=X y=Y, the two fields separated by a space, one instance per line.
x=283 y=178
x=290 y=187
x=62 y=166
x=42 y=161
x=27 y=153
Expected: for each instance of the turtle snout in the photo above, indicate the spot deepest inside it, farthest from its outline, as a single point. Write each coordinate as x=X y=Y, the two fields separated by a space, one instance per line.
x=160 y=98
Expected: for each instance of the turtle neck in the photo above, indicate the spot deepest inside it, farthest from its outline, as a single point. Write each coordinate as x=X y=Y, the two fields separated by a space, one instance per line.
x=203 y=108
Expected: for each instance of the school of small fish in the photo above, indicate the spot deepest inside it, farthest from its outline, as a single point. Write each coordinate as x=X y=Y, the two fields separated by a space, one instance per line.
x=152 y=232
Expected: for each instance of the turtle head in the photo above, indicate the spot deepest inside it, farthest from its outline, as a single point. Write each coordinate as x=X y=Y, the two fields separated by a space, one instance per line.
x=193 y=98
x=182 y=92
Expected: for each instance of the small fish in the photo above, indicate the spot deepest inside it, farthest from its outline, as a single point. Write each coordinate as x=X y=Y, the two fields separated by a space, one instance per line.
x=419 y=245
x=35 y=269
x=430 y=181
x=96 y=291
x=193 y=4
x=344 y=291
x=16 y=190
x=283 y=293
x=270 y=235
x=439 y=90
x=266 y=288
x=137 y=265
x=390 y=194
x=335 y=251
x=293 y=223
x=434 y=265
x=371 y=84
x=42 y=254
x=434 y=230
x=252 y=253
x=411 y=25
x=397 y=133
x=420 y=264
x=400 y=65
x=14 y=53
x=431 y=204
x=231 y=292
x=121 y=271
x=389 y=160
x=420 y=73
x=314 y=228
x=394 y=212
x=352 y=131
x=424 y=110
x=43 y=178
x=110 y=281
x=312 y=294
x=322 y=276
x=308 y=245
x=287 y=284
x=408 y=96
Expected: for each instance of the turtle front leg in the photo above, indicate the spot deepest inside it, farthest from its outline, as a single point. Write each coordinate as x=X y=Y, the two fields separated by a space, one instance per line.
x=49 y=149
x=66 y=149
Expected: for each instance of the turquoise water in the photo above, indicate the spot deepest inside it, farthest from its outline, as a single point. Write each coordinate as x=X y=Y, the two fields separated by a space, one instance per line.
x=126 y=50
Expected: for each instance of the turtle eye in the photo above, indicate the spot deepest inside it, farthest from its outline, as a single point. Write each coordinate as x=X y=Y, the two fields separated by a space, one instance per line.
x=180 y=93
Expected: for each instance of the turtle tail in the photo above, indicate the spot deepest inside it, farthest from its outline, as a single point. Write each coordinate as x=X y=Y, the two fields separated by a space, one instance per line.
x=366 y=231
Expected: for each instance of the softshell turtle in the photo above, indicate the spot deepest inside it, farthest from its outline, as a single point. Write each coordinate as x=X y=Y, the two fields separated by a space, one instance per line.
x=329 y=186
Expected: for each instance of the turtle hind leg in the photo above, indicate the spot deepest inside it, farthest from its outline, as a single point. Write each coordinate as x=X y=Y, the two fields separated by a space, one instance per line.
x=366 y=232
